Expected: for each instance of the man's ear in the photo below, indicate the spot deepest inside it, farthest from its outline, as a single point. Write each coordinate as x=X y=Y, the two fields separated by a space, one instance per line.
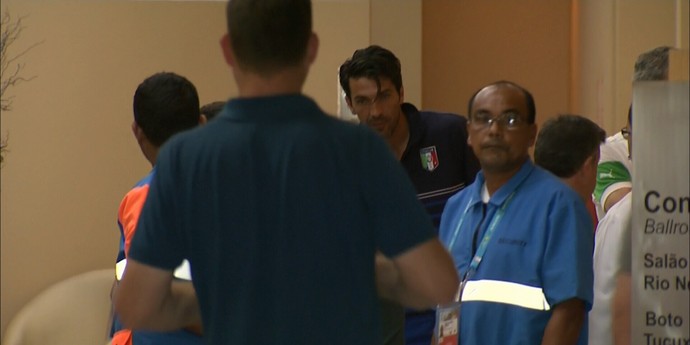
x=312 y=49
x=586 y=169
x=534 y=129
x=138 y=133
x=402 y=94
x=226 y=47
x=469 y=137
x=592 y=162
x=203 y=119
x=349 y=104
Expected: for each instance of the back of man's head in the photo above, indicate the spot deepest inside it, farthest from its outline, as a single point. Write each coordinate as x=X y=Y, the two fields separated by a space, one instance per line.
x=269 y=35
x=165 y=104
x=211 y=110
x=652 y=65
x=565 y=142
x=373 y=62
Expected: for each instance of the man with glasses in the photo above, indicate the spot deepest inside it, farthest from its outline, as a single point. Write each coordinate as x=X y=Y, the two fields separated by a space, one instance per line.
x=613 y=175
x=520 y=238
x=432 y=147
x=612 y=238
x=620 y=225
x=610 y=317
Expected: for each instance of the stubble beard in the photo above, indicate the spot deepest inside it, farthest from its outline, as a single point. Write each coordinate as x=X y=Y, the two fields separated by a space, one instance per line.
x=500 y=162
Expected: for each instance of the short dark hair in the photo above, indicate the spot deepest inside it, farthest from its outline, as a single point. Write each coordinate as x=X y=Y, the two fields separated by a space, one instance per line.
x=652 y=64
x=269 y=35
x=529 y=100
x=373 y=62
x=565 y=142
x=164 y=104
x=211 y=110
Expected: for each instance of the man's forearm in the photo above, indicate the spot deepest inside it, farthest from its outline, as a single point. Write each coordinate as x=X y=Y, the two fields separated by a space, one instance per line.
x=615 y=197
x=565 y=323
x=179 y=309
x=621 y=309
x=387 y=277
x=420 y=278
x=195 y=326
x=148 y=298
x=389 y=283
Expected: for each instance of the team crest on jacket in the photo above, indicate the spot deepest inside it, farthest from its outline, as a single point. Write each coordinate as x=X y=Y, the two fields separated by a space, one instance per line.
x=429 y=158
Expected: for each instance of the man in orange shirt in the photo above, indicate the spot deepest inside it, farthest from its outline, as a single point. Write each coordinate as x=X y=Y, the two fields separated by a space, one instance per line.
x=164 y=105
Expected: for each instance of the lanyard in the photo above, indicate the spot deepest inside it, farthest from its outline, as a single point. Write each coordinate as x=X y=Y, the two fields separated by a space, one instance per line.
x=488 y=234
x=495 y=220
x=482 y=246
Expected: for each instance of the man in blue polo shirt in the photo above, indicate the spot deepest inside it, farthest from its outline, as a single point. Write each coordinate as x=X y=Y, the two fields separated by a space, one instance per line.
x=432 y=147
x=520 y=238
x=280 y=210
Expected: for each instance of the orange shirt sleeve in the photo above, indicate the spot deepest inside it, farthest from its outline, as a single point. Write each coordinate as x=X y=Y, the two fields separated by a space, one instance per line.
x=129 y=212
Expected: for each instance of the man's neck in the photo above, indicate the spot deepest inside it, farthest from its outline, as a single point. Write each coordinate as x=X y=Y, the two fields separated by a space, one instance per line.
x=400 y=137
x=575 y=184
x=150 y=152
x=288 y=81
x=496 y=179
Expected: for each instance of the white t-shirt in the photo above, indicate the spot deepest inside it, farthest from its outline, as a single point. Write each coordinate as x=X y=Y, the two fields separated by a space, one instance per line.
x=608 y=242
x=613 y=171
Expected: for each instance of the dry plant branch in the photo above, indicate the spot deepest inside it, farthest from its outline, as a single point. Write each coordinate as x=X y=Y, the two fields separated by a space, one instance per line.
x=10 y=68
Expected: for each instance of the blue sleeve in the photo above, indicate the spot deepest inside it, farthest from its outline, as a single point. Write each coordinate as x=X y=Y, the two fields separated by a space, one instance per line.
x=158 y=241
x=567 y=270
x=447 y=230
x=400 y=221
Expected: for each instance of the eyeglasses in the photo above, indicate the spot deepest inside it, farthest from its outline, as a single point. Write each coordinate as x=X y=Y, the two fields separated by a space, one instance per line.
x=625 y=131
x=509 y=121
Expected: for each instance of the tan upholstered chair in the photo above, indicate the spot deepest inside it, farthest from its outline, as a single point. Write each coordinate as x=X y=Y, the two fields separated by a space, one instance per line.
x=75 y=311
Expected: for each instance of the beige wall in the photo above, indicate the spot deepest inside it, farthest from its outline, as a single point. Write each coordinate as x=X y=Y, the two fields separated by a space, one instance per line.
x=402 y=34
x=71 y=153
x=593 y=59
x=342 y=26
x=573 y=55
x=468 y=44
x=612 y=33
x=72 y=156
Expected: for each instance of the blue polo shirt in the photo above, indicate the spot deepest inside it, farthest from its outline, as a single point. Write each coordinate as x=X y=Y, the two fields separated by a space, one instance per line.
x=540 y=255
x=279 y=209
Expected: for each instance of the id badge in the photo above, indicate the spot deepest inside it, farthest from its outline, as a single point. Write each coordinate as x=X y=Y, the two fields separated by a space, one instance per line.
x=447 y=330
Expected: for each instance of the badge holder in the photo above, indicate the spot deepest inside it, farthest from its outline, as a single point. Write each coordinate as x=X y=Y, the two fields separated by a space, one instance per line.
x=447 y=328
